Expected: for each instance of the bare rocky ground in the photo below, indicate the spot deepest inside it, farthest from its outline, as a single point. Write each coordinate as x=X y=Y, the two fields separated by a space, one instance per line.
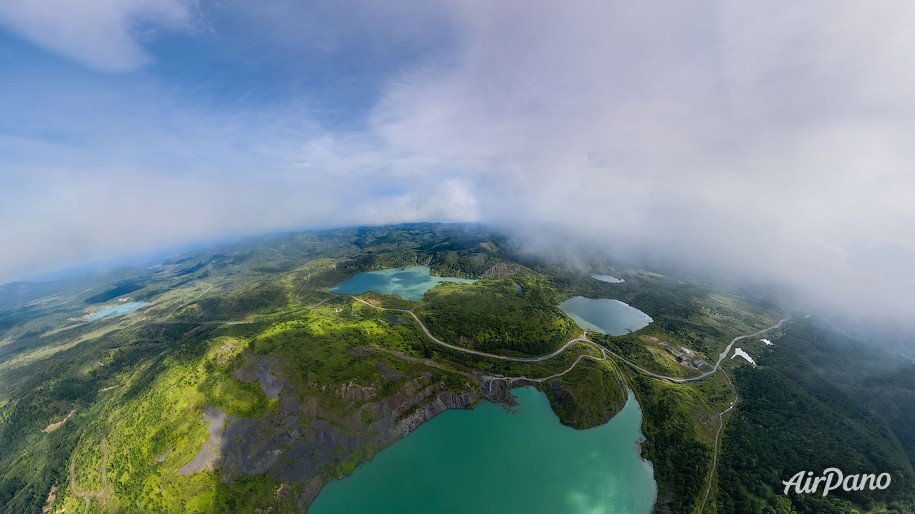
x=209 y=454
x=303 y=442
x=258 y=368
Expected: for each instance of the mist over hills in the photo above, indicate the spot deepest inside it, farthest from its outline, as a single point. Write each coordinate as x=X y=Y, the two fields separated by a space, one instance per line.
x=888 y=328
x=744 y=141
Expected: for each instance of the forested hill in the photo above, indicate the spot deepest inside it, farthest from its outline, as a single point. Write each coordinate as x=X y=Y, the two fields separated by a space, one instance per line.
x=818 y=400
x=248 y=340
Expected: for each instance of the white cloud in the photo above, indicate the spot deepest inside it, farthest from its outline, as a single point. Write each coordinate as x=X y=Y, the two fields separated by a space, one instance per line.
x=450 y=200
x=765 y=141
x=768 y=141
x=102 y=34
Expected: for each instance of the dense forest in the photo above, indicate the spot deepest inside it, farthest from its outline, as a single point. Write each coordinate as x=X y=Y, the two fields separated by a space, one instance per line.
x=511 y=315
x=106 y=413
x=793 y=416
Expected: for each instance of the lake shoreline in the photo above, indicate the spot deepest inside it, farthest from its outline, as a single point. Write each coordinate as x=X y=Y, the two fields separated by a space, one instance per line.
x=572 y=470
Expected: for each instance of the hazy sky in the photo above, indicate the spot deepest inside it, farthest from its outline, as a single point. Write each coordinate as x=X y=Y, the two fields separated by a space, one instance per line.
x=767 y=140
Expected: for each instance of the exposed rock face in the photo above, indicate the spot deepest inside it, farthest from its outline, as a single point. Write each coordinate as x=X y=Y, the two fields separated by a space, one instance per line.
x=502 y=269
x=306 y=438
x=319 y=444
x=499 y=391
x=209 y=454
x=442 y=402
x=355 y=392
x=389 y=374
x=257 y=367
x=412 y=393
x=402 y=413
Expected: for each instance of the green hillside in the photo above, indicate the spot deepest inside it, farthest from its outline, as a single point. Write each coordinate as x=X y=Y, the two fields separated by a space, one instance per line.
x=515 y=315
x=245 y=384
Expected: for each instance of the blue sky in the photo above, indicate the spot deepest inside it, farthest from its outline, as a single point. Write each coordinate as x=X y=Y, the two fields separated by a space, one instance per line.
x=768 y=141
x=129 y=125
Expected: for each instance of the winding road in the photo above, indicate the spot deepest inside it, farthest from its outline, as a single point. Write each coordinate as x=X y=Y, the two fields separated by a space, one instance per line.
x=721 y=357
x=717 y=439
x=580 y=339
x=583 y=338
x=87 y=496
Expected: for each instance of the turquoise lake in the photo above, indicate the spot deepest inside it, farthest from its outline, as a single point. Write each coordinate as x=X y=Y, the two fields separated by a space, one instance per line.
x=489 y=460
x=123 y=308
x=605 y=315
x=407 y=283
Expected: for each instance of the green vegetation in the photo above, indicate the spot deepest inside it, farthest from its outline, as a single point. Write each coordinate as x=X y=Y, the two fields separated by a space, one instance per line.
x=228 y=394
x=250 y=493
x=677 y=443
x=875 y=377
x=251 y=330
x=491 y=316
x=321 y=348
x=388 y=301
x=793 y=417
x=118 y=290
x=587 y=396
x=683 y=313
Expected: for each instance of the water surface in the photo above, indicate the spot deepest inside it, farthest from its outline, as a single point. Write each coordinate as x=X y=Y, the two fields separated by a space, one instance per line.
x=605 y=315
x=489 y=460
x=117 y=310
x=607 y=278
x=407 y=283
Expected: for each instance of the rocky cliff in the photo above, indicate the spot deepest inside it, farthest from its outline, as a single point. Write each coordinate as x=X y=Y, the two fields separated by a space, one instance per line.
x=309 y=439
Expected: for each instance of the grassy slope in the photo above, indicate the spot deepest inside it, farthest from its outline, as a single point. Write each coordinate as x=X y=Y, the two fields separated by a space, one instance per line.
x=678 y=443
x=138 y=386
x=178 y=367
x=165 y=420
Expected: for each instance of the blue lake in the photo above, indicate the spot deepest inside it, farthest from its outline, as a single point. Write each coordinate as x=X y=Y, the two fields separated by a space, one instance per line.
x=123 y=308
x=605 y=315
x=407 y=283
x=489 y=460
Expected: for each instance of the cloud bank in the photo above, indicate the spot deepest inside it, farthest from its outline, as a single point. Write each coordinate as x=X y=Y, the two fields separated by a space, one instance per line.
x=766 y=141
x=102 y=34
